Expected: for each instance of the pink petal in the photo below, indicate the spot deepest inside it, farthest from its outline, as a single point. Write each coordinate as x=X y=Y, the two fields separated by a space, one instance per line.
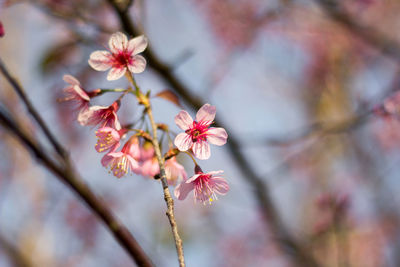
x=118 y=42
x=133 y=163
x=106 y=160
x=115 y=73
x=71 y=80
x=182 y=190
x=81 y=93
x=220 y=185
x=183 y=120
x=137 y=44
x=100 y=60
x=217 y=136
x=138 y=64
x=201 y=150
x=117 y=124
x=206 y=114
x=193 y=178
x=183 y=141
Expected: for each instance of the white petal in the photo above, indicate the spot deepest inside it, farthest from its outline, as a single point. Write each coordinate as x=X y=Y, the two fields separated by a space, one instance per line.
x=118 y=42
x=183 y=120
x=138 y=64
x=183 y=141
x=115 y=73
x=206 y=114
x=137 y=44
x=71 y=80
x=201 y=150
x=182 y=190
x=81 y=93
x=217 y=136
x=213 y=173
x=100 y=60
x=84 y=115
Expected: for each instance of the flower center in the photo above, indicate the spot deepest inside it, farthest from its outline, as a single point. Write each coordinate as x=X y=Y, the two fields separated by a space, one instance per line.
x=198 y=131
x=121 y=59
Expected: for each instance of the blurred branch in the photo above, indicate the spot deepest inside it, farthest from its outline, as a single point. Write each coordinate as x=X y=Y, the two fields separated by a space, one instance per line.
x=300 y=257
x=21 y=93
x=14 y=254
x=66 y=173
x=371 y=36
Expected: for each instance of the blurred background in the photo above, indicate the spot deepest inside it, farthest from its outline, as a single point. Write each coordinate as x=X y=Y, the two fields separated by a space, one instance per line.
x=312 y=158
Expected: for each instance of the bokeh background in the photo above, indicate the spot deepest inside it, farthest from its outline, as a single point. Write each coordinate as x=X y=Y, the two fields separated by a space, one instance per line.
x=312 y=158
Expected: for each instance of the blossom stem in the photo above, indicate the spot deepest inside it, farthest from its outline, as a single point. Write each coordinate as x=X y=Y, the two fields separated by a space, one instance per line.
x=113 y=90
x=191 y=156
x=161 y=162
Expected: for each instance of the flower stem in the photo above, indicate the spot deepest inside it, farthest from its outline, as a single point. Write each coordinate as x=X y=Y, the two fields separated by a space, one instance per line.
x=161 y=162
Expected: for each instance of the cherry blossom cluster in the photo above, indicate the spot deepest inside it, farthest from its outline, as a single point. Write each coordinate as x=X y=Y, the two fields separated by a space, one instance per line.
x=137 y=154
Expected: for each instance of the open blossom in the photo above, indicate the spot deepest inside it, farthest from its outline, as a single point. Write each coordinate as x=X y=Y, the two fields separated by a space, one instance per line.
x=120 y=163
x=150 y=167
x=174 y=171
x=108 y=139
x=205 y=186
x=198 y=133
x=76 y=94
x=121 y=57
x=105 y=116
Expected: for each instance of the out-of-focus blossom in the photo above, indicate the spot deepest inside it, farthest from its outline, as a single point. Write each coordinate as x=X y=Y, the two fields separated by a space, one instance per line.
x=150 y=167
x=121 y=57
x=205 y=186
x=76 y=95
x=120 y=163
x=391 y=105
x=2 y=32
x=108 y=139
x=174 y=171
x=105 y=116
x=198 y=133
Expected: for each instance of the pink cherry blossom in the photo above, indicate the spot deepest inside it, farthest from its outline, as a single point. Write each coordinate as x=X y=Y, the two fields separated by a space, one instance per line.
x=76 y=94
x=392 y=105
x=121 y=57
x=174 y=171
x=205 y=186
x=198 y=133
x=150 y=167
x=105 y=116
x=120 y=163
x=108 y=139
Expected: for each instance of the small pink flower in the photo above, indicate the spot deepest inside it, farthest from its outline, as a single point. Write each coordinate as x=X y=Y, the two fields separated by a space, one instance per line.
x=122 y=162
x=198 y=133
x=150 y=167
x=174 y=171
x=105 y=116
x=76 y=94
x=121 y=57
x=108 y=139
x=205 y=186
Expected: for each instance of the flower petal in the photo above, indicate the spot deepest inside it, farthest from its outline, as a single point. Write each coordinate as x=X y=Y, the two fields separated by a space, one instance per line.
x=193 y=178
x=183 y=120
x=118 y=42
x=201 y=150
x=81 y=93
x=138 y=64
x=183 y=141
x=100 y=60
x=217 y=136
x=115 y=73
x=220 y=185
x=206 y=114
x=137 y=44
x=71 y=80
x=182 y=190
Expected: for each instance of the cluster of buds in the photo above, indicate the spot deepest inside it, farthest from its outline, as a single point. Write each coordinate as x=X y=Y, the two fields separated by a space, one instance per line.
x=137 y=154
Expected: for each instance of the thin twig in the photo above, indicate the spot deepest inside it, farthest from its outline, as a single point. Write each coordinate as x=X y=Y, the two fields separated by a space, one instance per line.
x=21 y=93
x=161 y=163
